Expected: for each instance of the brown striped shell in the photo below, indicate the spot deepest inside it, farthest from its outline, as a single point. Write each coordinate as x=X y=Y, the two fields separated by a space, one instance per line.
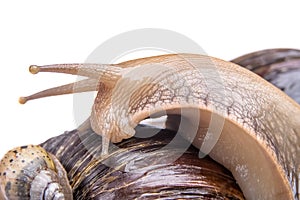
x=280 y=67
x=140 y=168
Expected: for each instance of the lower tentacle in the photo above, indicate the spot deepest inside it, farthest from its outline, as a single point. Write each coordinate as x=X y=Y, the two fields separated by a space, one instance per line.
x=86 y=85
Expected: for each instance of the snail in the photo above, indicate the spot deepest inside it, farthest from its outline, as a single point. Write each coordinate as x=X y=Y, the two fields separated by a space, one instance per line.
x=30 y=172
x=259 y=142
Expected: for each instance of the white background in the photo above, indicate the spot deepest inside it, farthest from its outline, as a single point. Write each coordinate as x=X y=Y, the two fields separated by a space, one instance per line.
x=35 y=32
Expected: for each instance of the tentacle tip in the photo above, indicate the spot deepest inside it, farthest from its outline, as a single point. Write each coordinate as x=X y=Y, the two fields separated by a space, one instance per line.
x=22 y=100
x=34 y=69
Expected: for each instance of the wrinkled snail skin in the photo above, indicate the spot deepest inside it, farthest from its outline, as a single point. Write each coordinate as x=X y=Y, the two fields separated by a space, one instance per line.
x=29 y=172
x=259 y=142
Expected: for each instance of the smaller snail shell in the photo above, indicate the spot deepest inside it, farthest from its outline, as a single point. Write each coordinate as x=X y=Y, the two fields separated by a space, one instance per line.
x=29 y=172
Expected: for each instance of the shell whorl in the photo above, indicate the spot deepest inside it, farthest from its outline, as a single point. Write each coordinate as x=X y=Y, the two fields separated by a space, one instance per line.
x=30 y=172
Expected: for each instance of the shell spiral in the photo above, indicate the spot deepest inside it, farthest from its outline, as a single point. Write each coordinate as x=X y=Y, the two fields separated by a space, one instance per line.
x=30 y=172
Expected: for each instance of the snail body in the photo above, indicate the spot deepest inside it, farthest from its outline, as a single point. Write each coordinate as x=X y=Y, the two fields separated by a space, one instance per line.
x=258 y=139
x=29 y=172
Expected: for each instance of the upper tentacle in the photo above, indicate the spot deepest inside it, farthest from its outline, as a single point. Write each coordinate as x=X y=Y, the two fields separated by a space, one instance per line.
x=103 y=72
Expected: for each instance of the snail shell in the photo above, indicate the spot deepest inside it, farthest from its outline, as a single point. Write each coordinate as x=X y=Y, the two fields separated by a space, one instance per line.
x=29 y=172
x=281 y=67
x=140 y=168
